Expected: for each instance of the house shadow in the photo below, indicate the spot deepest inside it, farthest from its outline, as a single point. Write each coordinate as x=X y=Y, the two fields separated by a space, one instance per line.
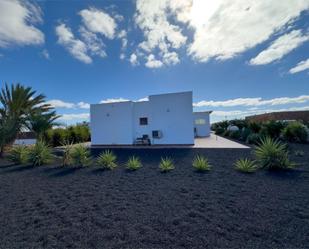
x=286 y=174
x=60 y=172
x=19 y=168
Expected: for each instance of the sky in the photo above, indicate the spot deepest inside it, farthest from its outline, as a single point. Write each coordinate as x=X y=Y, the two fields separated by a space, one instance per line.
x=239 y=57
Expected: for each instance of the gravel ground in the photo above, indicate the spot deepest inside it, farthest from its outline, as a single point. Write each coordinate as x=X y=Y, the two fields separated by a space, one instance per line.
x=53 y=207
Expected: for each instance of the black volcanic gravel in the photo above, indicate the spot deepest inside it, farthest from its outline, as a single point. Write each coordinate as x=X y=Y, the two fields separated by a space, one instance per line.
x=52 y=207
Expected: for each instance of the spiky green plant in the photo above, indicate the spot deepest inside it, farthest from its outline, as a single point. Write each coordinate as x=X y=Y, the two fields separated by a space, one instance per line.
x=200 y=163
x=19 y=154
x=67 y=154
x=40 y=154
x=272 y=154
x=107 y=160
x=133 y=163
x=166 y=164
x=245 y=165
x=81 y=155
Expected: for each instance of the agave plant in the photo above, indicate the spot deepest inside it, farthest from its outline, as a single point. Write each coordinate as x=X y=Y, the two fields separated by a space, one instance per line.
x=134 y=163
x=19 y=154
x=245 y=165
x=200 y=163
x=272 y=154
x=107 y=160
x=40 y=154
x=166 y=164
x=67 y=154
x=81 y=155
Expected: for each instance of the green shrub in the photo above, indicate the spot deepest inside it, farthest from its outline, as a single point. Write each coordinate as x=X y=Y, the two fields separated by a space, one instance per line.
x=19 y=154
x=134 y=163
x=166 y=164
x=40 y=154
x=254 y=138
x=272 y=129
x=295 y=132
x=81 y=155
x=240 y=123
x=235 y=134
x=245 y=134
x=107 y=160
x=67 y=154
x=201 y=163
x=245 y=165
x=254 y=127
x=272 y=154
x=219 y=131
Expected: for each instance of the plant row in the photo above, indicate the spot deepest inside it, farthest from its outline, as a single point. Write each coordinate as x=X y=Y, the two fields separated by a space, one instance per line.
x=252 y=132
x=269 y=154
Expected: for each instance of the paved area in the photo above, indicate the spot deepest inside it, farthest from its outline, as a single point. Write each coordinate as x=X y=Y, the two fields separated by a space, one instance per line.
x=213 y=141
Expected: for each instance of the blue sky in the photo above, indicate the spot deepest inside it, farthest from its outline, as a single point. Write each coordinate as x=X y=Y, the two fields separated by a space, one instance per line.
x=238 y=57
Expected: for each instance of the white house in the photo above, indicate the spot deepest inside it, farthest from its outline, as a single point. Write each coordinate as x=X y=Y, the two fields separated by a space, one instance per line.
x=162 y=119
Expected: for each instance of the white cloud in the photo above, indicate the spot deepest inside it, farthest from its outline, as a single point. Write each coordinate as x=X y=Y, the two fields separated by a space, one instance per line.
x=143 y=99
x=170 y=58
x=122 y=56
x=253 y=102
x=93 y=42
x=280 y=47
x=224 y=29
x=83 y=105
x=74 y=116
x=301 y=66
x=57 y=103
x=154 y=18
x=17 y=20
x=76 y=47
x=45 y=54
x=115 y=100
x=152 y=62
x=98 y=21
x=133 y=59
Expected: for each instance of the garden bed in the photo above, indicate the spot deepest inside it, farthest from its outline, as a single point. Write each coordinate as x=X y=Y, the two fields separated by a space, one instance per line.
x=53 y=207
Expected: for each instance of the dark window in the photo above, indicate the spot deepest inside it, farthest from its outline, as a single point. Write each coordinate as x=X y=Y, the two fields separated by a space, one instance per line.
x=143 y=121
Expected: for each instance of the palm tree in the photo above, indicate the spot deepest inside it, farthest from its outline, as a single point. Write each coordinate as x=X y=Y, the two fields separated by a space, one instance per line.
x=39 y=122
x=17 y=103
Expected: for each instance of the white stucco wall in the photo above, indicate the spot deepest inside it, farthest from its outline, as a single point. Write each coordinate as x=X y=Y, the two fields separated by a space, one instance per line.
x=202 y=130
x=111 y=123
x=172 y=114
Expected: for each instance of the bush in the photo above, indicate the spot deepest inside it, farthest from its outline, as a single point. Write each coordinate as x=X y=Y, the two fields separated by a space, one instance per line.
x=67 y=154
x=272 y=129
x=240 y=123
x=201 y=163
x=134 y=163
x=254 y=138
x=219 y=131
x=107 y=160
x=245 y=165
x=166 y=164
x=272 y=154
x=81 y=155
x=235 y=134
x=245 y=134
x=19 y=154
x=254 y=127
x=295 y=132
x=40 y=154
